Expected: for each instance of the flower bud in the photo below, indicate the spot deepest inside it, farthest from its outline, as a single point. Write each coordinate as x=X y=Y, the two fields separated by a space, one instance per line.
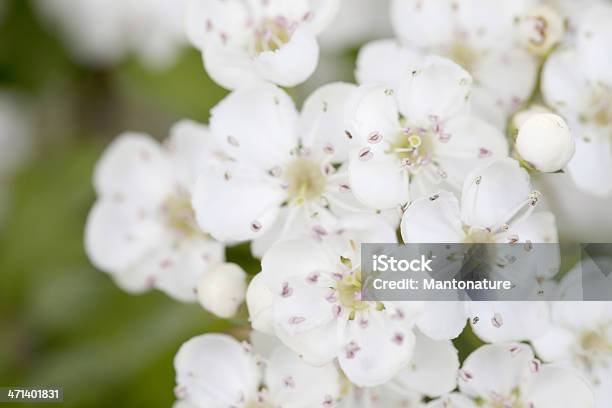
x=222 y=290
x=541 y=29
x=521 y=116
x=259 y=301
x=545 y=142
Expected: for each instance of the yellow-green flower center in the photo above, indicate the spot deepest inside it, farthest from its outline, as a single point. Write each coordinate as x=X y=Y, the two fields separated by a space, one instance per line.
x=272 y=34
x=305 y=179
x=180 y=215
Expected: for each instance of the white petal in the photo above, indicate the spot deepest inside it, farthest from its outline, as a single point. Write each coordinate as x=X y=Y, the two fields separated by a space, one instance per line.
x=317 y=347
x=192 y=150
x=324 y=120
x=423 y=24
x=378 y=182
x=373 y=354
x=179 y=265
x=438 y=87
x=232 y=206
x=214 y=370
x=433 y=368
x=256 y=126
x=518 y=68
x=472 y=143
x=556 y=387
x=374 y=109
x=509 y=321
x=494 y=193
x=443 y=320
x=293 y=63
x=433 y=219
x=494 y=369
x=259 y=299
x=591 y=166
x=384 y=62
x=292 y=383
x=304 y=301
x=454 y=400
x=117 y=238
x=230 y=67
x=564 y=87
x=539 y=227
x=207 y=19
x=594 y=42
x=134 y=165
x=556 y=345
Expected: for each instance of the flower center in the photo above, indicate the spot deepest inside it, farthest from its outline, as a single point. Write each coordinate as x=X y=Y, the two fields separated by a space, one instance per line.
x=258 y=404
x=272 y=34
x=304 y=179
x=478 y=236
x=601 y=115
x=594 y=344
x=349 y=292
x=180 y=215
x=463 y=55
x=413 y=147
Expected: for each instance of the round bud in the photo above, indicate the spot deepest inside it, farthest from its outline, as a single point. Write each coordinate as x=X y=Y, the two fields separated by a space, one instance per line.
x=541 y=29
x=545 y=141
x=521 y=116
x=222 y=290
x=259 y=302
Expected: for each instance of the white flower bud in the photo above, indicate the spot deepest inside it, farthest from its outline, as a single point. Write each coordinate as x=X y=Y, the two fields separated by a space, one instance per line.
x=521 y=117
x=259 y=302
x=545 y=142
x=541 y=29
x=222 y=290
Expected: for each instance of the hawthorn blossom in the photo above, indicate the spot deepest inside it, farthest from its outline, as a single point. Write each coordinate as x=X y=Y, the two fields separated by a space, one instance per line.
x=496 y=207
x=480 y=35
x=142 y=229
x=577 y=83
x=509 y=375
x=285 y=173
x=215 y=370
x=103 y=32
x=244 y=42
x=308 y=294
x=581 y=337
x=414 y=136
x=432 y=372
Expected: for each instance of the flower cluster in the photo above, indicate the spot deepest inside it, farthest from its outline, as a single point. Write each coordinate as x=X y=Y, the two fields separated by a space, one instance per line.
x=441 y=140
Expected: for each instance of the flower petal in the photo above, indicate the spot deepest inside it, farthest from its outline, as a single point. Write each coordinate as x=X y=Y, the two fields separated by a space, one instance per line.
x=256 y=126
x=206 y=20
x=509 y=321
x=423 y=24
x=557 y=387
x=215 y=370
x=433 y=368
x=433 y=219
x=232 y=206
x=291 y=64
x=494 y=369
x=438 y=87
x=324 y=120
x=384 y=62
x=292 y=383
x=494 y=193
x=591 y=166
x=443 y=320
x=374 y=353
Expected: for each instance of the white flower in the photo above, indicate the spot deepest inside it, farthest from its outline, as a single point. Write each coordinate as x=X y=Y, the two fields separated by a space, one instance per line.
x=432 y=372
x=508 y=375
x=142 y=229
x=102 y=32
x=581 y=336
x=413 y=138
x=577 y=83
x=496 y=207
x=285 y=176
x=222 y=290
x=315 y=307
x=15 y=144
x=481 y=36
x=545 y=142
x=216 y=371
x=541 y=28
x=244 y=42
